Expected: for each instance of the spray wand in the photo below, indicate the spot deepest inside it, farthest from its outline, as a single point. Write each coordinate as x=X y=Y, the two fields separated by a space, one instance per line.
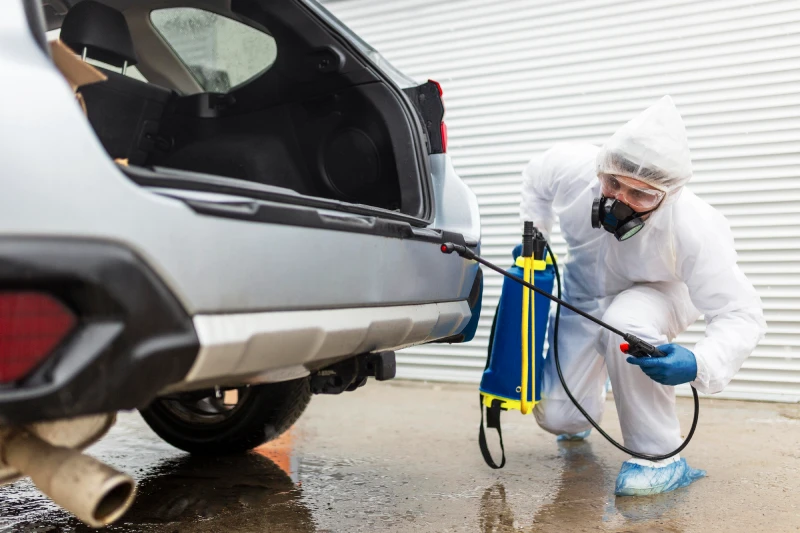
x=633 y=345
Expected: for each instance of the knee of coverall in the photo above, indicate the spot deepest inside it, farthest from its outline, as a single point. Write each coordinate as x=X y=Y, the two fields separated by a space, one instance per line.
x=640 y=311
x=561 y=416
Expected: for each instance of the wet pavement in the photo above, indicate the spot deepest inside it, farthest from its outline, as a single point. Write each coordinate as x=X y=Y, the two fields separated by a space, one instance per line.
x=404 y=457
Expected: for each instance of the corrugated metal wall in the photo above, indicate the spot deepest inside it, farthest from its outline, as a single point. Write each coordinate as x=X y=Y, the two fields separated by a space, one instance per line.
x=521 y=75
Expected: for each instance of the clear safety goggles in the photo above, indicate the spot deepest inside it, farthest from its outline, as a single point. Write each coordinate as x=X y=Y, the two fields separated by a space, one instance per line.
x=627 y=191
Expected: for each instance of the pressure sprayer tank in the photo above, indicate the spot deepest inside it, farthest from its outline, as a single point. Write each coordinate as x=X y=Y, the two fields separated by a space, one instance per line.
x=502 y=378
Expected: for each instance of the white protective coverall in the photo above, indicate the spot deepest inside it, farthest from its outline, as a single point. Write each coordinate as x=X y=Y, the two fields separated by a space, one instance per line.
x=681 y=266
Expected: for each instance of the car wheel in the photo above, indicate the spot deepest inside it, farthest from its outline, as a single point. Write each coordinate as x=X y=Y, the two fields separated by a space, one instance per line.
x=228 y=421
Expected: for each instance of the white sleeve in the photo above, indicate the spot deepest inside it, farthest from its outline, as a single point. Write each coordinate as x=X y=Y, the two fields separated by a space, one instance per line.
x=538 y=191
x=733 y=310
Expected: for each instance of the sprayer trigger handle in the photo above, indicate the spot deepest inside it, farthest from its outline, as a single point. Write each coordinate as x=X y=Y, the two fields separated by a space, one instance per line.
x=634 y=349
x=639 y=348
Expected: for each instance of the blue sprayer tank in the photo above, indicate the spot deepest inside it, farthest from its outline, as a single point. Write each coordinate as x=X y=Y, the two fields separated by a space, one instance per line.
x=502 y=377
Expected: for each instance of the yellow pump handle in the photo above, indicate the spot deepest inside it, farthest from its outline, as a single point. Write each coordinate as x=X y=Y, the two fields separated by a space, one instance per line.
x=525 y=406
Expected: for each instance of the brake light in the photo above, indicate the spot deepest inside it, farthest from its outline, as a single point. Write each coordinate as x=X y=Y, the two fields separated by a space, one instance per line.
x=443 y=126
x=32 y=324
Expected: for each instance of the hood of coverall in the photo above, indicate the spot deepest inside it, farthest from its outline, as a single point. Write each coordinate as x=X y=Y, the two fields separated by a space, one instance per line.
x=652 y=148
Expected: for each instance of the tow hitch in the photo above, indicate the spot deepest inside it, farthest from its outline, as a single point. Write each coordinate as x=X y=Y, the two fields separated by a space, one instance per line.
x=350 y=374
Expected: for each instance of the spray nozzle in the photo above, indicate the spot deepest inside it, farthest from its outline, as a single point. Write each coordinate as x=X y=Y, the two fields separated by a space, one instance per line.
x=463 y=251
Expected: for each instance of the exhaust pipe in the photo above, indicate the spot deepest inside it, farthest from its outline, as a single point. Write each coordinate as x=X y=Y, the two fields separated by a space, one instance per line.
x=94 y=492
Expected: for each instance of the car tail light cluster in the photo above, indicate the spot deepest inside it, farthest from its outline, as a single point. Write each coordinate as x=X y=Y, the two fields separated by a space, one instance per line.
x=32 y=325
x=443 y=127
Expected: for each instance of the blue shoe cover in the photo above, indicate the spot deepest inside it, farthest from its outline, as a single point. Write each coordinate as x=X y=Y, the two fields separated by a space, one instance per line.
x=574 y=436
x=639 y=480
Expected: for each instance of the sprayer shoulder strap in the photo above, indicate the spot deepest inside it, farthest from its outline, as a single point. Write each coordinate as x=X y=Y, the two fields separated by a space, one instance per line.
x=492 y=421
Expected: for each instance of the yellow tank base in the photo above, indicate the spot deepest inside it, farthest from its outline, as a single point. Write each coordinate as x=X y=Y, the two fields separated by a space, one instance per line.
x=507 y=404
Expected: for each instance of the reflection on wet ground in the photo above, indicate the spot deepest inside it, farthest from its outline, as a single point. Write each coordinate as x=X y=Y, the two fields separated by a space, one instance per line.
x=248 y=491
x=583 y=499
x=257 y=491
x=382 y=459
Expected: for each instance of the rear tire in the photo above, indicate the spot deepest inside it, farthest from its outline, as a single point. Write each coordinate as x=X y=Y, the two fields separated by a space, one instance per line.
x=262 y=413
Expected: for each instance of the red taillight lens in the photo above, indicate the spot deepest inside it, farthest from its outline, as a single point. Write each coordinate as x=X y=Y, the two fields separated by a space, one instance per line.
x=443 y=126
x=32 y=324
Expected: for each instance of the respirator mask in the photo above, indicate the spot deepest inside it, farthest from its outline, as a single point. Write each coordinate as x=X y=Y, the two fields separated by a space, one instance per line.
x=621 y=218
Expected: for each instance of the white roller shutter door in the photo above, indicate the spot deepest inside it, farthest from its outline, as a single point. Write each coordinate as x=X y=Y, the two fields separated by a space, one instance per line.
x=521 y=75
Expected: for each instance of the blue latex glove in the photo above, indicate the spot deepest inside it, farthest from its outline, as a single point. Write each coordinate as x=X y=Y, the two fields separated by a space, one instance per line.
x=679 y=366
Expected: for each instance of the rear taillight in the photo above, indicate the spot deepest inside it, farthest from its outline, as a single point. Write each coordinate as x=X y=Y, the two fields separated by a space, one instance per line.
x=443 y=127
x=32 y=325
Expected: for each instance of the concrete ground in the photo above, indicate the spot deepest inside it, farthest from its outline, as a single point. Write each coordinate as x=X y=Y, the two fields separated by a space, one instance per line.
x=404 y=457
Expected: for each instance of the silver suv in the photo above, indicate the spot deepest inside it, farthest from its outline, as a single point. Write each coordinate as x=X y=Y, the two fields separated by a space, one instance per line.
x=245 y=207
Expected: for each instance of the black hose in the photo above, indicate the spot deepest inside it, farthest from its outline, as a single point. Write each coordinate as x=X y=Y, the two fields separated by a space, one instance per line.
x=581 y=409
x=466 y=253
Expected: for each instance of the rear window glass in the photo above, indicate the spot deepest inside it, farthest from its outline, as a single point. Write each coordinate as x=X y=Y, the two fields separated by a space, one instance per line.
x=221 y=53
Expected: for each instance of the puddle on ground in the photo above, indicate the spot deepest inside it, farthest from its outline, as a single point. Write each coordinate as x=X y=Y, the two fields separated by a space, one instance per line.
x=249 y=493
x=584 y=501
x=273 y=489
x=258 y=491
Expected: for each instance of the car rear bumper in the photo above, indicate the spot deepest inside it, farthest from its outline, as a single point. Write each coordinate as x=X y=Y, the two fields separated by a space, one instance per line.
x=134 y=340
x=282 y=345
x=133 y=337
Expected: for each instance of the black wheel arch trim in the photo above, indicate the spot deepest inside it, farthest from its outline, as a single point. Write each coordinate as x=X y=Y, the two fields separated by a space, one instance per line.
x=133 y=336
